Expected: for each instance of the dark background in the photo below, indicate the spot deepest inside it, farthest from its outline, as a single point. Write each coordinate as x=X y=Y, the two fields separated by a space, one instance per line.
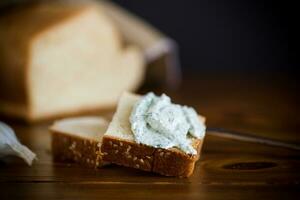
x=230 y=36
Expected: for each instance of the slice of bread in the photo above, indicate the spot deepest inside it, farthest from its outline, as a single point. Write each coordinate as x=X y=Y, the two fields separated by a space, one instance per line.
x=119 y=147
x=58 y=58
x=79 y=140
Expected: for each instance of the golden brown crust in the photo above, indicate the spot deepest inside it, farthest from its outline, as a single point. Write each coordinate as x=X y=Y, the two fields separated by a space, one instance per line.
x=168 y=162
x=10 y=110
x=72 y=148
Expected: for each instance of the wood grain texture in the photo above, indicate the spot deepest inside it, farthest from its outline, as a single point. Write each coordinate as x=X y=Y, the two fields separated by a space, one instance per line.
x=227 y=169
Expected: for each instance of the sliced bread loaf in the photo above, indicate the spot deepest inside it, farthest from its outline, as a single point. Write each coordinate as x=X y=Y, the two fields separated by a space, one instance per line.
x=79 y=140
x=60 y=57
x=119 y=146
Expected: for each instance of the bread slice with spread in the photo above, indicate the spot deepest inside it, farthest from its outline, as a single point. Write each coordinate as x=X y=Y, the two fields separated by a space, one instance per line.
x=119 y=145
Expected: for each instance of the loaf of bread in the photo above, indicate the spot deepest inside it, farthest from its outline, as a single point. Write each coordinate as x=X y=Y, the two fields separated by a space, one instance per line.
x=78 y=140
x=63 y=58
x=119 y=146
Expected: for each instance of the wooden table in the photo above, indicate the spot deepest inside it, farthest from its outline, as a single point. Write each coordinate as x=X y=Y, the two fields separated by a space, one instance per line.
x=228 y=169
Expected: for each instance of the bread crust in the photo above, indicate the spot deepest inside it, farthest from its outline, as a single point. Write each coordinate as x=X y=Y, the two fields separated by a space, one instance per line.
x=168 y=162
x=10 y=110
x=72 y=148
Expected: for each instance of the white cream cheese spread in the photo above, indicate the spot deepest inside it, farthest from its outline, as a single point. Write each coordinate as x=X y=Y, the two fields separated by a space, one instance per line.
x=157 y=122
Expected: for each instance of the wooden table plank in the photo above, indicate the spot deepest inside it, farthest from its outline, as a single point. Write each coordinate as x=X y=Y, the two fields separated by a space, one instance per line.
x=145 y=191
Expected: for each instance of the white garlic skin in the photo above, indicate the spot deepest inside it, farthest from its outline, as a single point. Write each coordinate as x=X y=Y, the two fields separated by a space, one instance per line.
x=10 y=146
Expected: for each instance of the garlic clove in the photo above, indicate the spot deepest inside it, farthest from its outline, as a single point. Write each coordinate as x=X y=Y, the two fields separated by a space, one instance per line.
x=9 y=145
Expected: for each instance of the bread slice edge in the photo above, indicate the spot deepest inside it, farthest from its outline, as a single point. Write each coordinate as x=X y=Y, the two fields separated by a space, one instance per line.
x=168 y=162
x=68 y=147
